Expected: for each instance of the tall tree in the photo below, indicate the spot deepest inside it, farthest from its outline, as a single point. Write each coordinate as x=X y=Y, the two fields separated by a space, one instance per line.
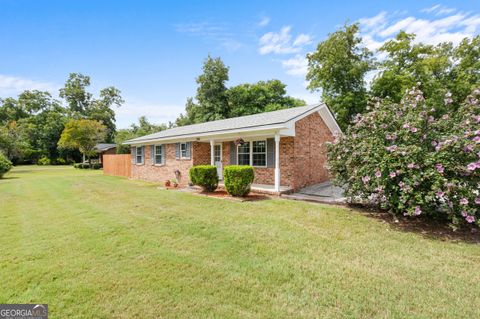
x=82 y=135
x=263 y=96
x=337 y=68
x=82 y=104
x=211 y=94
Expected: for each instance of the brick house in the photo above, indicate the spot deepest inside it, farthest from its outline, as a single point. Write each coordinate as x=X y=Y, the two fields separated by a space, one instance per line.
x=286 y=148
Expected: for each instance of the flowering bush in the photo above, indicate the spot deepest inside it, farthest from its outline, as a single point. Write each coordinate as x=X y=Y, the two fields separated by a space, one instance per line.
x=412 y=160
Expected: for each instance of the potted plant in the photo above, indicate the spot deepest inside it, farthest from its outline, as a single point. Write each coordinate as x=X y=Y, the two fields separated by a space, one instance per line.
x=174 y=182
x=167 y=183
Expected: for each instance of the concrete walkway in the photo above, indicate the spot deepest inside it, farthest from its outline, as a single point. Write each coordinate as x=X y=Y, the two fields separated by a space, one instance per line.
x=323 y=192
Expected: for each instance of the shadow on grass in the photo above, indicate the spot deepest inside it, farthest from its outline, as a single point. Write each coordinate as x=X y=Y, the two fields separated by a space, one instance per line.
x=431 y=229
x=9 y=177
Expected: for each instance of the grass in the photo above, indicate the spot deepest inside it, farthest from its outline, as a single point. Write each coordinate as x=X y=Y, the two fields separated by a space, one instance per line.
x=93 y=246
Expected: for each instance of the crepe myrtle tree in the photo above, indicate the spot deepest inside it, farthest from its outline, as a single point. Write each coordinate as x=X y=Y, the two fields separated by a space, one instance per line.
x=408 y=158
x=82 y=135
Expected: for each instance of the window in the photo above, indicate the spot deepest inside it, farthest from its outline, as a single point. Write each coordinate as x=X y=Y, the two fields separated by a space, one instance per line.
x=252 y=153
x=217 y=153
x=139 y=158
x=243 y=152
x=183 y=150
x=158 y=154
x=259 y=153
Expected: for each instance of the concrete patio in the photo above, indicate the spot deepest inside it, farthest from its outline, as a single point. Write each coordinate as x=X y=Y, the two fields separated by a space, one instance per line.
x=323 y=192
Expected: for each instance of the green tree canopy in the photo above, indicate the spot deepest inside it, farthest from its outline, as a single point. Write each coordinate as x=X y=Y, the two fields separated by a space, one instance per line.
x=215 y=101
x=83 y=135
x=337 y=68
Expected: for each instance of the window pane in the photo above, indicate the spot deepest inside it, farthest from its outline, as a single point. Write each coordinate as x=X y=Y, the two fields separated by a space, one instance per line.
x=245 y=148
x=259 y=147
x=158 y=150
x=139 y=159
x=139 y=150
x=243 y=159
x=259 y=159
x=158 y=159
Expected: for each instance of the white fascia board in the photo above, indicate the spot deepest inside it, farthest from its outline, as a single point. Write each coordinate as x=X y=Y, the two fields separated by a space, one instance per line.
x=231 y=134
x=326 y=116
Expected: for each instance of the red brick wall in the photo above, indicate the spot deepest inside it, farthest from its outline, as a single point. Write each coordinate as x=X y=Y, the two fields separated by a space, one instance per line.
x=160 y=173
x=302 y=158
x=266 y=175
x=311 y=135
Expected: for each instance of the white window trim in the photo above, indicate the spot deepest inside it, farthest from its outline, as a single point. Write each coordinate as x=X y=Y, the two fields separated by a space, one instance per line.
x=251 y=151
x=250 y=160
x=181 y=155
x=155 y=155
x=249 y=154
x=142 y=155
x=221 y=151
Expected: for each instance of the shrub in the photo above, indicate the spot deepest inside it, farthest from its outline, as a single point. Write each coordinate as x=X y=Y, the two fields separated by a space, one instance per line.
x=86 y=165
x=5 y=165
x=205 y=176
x=44 y=161
x=412 y=160
x=60 y=161
x=238 y=179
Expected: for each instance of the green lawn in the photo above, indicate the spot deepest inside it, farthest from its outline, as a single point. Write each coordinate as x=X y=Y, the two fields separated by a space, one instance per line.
x=93 y=246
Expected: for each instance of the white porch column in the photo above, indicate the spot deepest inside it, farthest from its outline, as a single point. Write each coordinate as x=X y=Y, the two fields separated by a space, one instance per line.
x=212 y=152
x=277 y=162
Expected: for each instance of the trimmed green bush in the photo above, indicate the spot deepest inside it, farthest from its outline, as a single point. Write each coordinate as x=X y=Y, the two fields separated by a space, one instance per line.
x=238 y=179
x=205 y=176
x=44 y=161
x=5 y=165
x=86 y=165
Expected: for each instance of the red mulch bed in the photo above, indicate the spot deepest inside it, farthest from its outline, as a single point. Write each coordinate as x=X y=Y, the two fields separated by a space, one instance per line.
x=220 y=193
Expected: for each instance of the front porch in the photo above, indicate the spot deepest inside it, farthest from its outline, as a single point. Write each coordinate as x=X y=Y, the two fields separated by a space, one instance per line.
x=265 y=189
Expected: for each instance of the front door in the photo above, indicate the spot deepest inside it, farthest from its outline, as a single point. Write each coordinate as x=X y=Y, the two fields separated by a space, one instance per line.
x=217 y=159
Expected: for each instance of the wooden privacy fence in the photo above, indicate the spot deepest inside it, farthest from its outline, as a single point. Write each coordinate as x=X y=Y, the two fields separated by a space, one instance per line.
x=117 y=164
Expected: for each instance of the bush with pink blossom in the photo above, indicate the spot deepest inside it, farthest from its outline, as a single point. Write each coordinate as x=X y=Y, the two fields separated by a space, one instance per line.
x=412 y=160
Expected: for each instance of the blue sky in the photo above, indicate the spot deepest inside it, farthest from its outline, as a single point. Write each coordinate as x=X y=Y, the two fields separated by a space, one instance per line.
x=152 y=51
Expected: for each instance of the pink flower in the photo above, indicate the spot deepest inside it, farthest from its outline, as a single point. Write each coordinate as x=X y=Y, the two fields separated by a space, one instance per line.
x=378 y=174
x=470 y=219
x=440 y=194
x=477 y=200
x=406 y=125
x=464 y=213
x=401 y=184
x=473 y=166
x=417 y=211
x=468 y=148
x=463 y=201
x=392 y=174
x=413 y=130
x=439 y=168
x=391 y=148
x=411 y=165
x=365 y=179
x=434 y=143
x=476 y=139
x=431 y=119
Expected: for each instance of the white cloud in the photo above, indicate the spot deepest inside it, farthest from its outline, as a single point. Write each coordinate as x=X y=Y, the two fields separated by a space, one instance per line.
x=302 y=39
x=438 y=9
x=211 y=32
x=264 y=21
x=432 y=29
x=155 y=113
x=12 y=85
x=281 y=42
x=296 y=66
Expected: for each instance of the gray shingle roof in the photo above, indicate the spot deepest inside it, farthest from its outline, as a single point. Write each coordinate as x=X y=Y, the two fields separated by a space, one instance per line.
x=104 y=146
x=256 y=120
